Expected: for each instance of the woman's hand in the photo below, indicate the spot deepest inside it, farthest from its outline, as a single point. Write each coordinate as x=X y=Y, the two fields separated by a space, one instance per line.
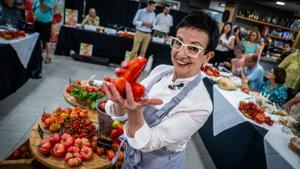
x=128 y=104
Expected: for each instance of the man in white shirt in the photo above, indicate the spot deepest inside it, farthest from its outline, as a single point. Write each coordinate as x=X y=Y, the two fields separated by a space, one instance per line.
x=158 y=130
x=163 y=22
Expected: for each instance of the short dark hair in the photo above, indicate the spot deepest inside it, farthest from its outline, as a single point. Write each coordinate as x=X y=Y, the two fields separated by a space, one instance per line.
x=150 y=2
x=254 y=57
x=203 y=22
x=280 y=75
x=289 y=42
x=166 y=6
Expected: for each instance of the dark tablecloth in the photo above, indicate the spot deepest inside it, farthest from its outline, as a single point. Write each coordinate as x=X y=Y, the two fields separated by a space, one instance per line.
x=240 y=147
x=12 y=72
x=108 y=46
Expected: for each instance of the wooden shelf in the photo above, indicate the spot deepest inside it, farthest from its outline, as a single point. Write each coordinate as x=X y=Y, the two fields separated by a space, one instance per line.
x=265 y=23
x=277 y=37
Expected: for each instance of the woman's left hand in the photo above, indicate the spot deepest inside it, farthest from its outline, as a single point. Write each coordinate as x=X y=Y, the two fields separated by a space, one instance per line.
x=128 y=104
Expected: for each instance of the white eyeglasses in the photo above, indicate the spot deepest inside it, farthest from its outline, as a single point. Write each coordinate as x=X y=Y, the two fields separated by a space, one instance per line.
x=189 y=49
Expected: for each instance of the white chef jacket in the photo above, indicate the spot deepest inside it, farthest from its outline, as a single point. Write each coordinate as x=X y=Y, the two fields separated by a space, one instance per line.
x=183 y=121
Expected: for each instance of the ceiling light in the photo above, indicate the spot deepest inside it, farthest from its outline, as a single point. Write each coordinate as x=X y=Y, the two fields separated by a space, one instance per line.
x=280 y=3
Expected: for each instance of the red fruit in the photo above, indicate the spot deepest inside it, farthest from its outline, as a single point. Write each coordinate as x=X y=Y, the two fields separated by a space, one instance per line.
x=102 y=106
x=58 y=150
x=120 y=84
x=49 y=121
x=45 y=116
x=55 y=138
x=86 y=153
x=110 y=154
x=21 y=33
x=114 y=133
x=73 y=159
x=120 y=129
x=138 y=91
x=134 y=68
x=73 y=149
x=82 y=142
x=259 y=118
x=100 y=151
x=83 y=114
x=67 y=140
x=45 y=147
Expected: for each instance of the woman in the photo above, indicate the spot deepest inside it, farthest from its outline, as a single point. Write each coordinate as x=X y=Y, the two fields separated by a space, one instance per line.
x=158 y=130
x=273 y=88
x=237 y=34
x=252 y=45
x=226 y=43
x=291 y=64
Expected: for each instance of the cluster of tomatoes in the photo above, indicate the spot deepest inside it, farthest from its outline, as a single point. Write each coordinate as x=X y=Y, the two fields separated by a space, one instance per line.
x=11 y=34
x=55 y=122
x=21 y=153
x=75 y=151
x=210 y=71
x=255 y=112
x=79 y=127
x=112 y=144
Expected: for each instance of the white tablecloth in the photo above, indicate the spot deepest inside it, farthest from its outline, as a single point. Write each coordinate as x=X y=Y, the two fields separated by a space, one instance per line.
x=278 y=155
x=23 y=46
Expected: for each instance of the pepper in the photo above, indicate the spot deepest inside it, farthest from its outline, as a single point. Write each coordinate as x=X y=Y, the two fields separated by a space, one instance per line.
x=130 y=73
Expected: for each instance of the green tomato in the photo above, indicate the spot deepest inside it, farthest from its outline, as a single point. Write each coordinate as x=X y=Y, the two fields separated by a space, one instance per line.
x=115 y=124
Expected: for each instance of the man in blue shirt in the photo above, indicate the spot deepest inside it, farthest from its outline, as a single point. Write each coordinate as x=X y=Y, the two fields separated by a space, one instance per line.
x=251 y=72
x=143 y=21
x=43 y=11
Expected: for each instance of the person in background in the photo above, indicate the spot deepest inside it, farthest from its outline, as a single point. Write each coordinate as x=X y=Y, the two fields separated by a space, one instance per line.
x=286 y=50
x=10 y=15
x=239 y=53
x=293 y=107
x=43 y=12
x=237 y=34
x=20 y=5
x=251 y=72
x=267 y=46
x=159 y=141
x=291 y=64
x=163 y=22
x=225 y=43
x=91 y=18
x=252 y=44
x=143 y=20
x=274 y=89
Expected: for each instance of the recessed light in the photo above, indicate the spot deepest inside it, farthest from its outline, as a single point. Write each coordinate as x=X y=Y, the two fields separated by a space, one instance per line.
x=280 y=3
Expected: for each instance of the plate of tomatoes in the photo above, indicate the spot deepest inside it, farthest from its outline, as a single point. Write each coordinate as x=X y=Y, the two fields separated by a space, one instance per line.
x=254 y=112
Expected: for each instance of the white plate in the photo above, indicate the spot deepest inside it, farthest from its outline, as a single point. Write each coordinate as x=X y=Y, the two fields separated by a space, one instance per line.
x=226 y=74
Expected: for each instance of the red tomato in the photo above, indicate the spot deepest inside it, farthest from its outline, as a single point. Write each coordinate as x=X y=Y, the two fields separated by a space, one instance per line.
x=67 y=140
x=45 y=116
x=114 y=133
x=73 y=149
x=100 y=151
x=86 y=153
x=120 y=84
x=73 y=159
x=102 y=106
x=45 y=147
x=134 y=68
x=83 y=114
x=82 y=142
x=138 y=91
x=120 y=129
x=110 y=154
x=55 y=138
x=58 y=150
x=259 y=118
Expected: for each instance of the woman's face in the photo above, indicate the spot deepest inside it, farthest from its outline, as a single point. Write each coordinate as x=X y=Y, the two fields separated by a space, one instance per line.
x=253 y=37
x=184 y=65
x=227 y=28
x=271 y=75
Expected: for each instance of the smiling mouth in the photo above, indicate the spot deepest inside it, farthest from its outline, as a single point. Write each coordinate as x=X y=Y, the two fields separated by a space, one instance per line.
x=181 y=63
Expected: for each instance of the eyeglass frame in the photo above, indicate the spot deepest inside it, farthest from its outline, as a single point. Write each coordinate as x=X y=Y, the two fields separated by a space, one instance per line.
x=201 y=49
